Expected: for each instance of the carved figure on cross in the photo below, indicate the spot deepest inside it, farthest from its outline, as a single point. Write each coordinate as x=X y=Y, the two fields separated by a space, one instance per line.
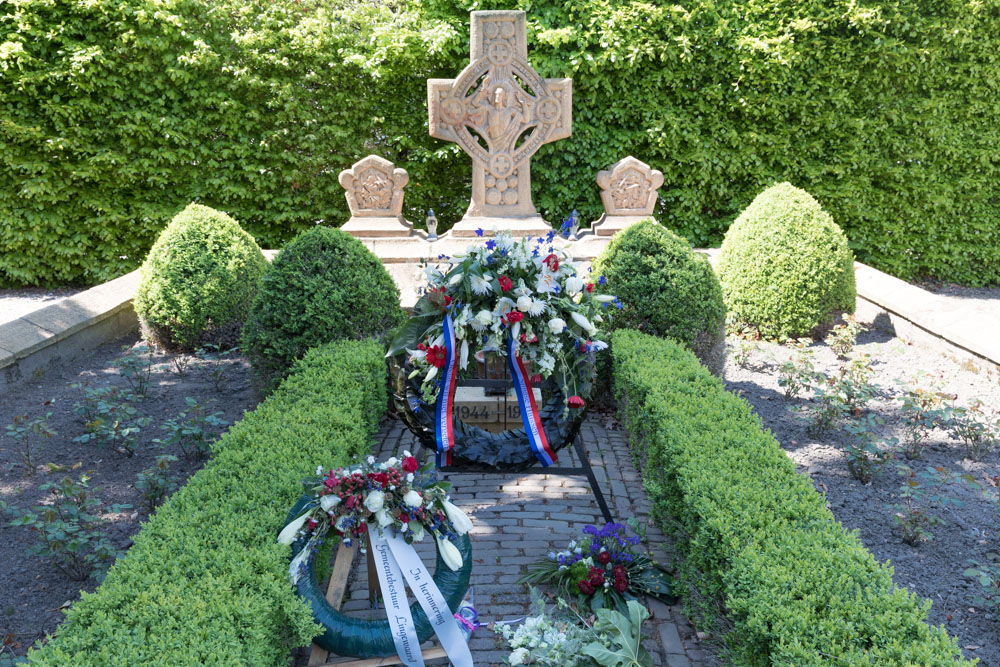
x=499 y=111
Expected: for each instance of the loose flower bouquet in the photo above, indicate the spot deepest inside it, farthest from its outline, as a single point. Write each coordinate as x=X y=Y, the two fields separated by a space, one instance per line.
x=397 y=494
x=526 y=289
x=603 y=569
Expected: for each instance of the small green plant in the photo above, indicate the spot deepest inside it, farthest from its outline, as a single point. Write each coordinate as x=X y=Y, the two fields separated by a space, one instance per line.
x=855 y=383
x=116 y=424
x=28 y=432
x=920 y=495
x=978 y=431
x=924 y=409
x=156 y=483
x=843 y=337
x=798 y=373
x=867 y=453
x=741 y=349
x=136 y=366
x=213 y=354
x=68 y=528
x=179 y=364
x=193 y=430
x=96 y=400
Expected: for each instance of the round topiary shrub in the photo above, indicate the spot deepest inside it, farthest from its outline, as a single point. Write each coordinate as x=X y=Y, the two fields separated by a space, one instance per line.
x=323 y=286
x=199 y=280
x=785 y=266
x=667 y=289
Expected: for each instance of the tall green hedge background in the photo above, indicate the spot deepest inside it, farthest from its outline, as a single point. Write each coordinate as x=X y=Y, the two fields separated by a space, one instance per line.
x=114 y=114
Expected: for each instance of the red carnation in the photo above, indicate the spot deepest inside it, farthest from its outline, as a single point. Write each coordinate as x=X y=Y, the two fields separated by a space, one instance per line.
x=604 y=557
x=379 y=478
x=421 y=347
x=585 y=587
x=552 y=261
x=506 y=284
x=575 y=401
x=535 y=379
x=621 y=585
x=437 y=355
x=590 y=287
x=514 y=316
x=404 y=517
x=410 y=464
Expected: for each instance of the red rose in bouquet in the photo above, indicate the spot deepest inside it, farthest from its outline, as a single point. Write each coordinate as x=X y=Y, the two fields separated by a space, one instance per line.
x=410 y=464
x=621 y=585
x=585 y=587
x=514 y=316
x=596 y=576
x=506 y=284
x=604 y=557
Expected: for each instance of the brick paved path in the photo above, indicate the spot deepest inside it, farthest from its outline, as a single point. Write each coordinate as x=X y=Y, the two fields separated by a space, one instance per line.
x=518 y=519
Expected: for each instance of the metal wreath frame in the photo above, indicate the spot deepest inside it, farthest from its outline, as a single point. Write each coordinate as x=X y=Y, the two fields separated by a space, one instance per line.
x=476 y=449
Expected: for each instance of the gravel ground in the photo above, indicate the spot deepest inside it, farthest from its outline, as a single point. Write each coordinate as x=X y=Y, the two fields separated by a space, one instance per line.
x=932 y=569
x=33 y=591
x=15 y=303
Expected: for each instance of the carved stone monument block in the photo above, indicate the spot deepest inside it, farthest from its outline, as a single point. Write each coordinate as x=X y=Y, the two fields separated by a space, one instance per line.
x=628 y=191
x=374 y=190
x=500 y=112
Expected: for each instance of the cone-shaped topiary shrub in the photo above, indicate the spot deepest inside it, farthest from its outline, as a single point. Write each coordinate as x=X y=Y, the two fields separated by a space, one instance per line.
x=323 y=286
x=199 y=280
x=785 y=266
x=667 y=290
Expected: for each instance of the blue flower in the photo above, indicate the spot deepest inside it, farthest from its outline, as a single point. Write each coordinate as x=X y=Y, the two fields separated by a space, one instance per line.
x=479 y=232
x=602 y=280
x=539 y=240
x=491 y=244
x=551 y=235
x=534 y=253
x=618 y=304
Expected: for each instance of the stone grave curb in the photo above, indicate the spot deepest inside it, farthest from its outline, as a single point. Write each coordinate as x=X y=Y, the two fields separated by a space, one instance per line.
x=76 y=324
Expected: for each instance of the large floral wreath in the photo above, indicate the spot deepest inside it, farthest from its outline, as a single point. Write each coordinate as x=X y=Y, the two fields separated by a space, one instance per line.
x=526 y=289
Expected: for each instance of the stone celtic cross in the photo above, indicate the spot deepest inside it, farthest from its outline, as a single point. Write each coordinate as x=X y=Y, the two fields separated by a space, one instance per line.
x=500 y=112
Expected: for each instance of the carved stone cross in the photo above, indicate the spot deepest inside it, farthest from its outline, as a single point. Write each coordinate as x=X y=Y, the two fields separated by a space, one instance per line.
x=500 y=111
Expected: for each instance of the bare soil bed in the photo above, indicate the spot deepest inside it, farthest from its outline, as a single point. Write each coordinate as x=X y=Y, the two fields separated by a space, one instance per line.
x=932 y=569
x=34 y=590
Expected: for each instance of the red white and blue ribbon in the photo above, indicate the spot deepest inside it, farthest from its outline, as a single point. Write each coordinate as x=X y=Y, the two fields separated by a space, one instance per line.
x=446 y=397
x=529 y=411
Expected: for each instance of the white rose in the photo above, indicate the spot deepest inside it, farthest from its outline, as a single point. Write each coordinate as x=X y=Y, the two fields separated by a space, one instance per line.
x=412 y=498
x=391 y=462
x=383 y=518
x=574 y=285
x=524 y=303
x=375 y=501
x=556 y=325
x=484 y=317
x=329 y=501
x=417 y=529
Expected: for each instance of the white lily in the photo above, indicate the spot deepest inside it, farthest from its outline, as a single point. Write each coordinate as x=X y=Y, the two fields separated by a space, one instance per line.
x=458 y=518
x=288 y=533
x=431 y=373
x=329 y=501
x=456 y=279
x=450 y=553
x=465 y=354
x=583 y=322
x=604 y=298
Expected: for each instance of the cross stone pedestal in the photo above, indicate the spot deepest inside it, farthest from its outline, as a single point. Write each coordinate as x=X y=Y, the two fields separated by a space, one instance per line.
x=628 y=192
x=500 y=112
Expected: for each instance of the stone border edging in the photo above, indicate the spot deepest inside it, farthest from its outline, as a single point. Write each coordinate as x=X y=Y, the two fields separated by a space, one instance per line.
x=68 y=328
x=76 y=324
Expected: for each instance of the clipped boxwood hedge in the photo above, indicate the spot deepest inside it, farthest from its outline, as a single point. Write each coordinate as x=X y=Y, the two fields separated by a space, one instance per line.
x=206 y=582
x=799 y=590
x=323 y=286
x=199 y=280
x=785 y=266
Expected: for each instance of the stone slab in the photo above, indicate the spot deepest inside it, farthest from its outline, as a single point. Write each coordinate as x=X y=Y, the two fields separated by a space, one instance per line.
x=22 y=337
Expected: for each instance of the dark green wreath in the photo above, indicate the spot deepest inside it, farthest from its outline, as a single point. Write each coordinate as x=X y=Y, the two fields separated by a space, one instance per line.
x=477 y=449
x=368 y=638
